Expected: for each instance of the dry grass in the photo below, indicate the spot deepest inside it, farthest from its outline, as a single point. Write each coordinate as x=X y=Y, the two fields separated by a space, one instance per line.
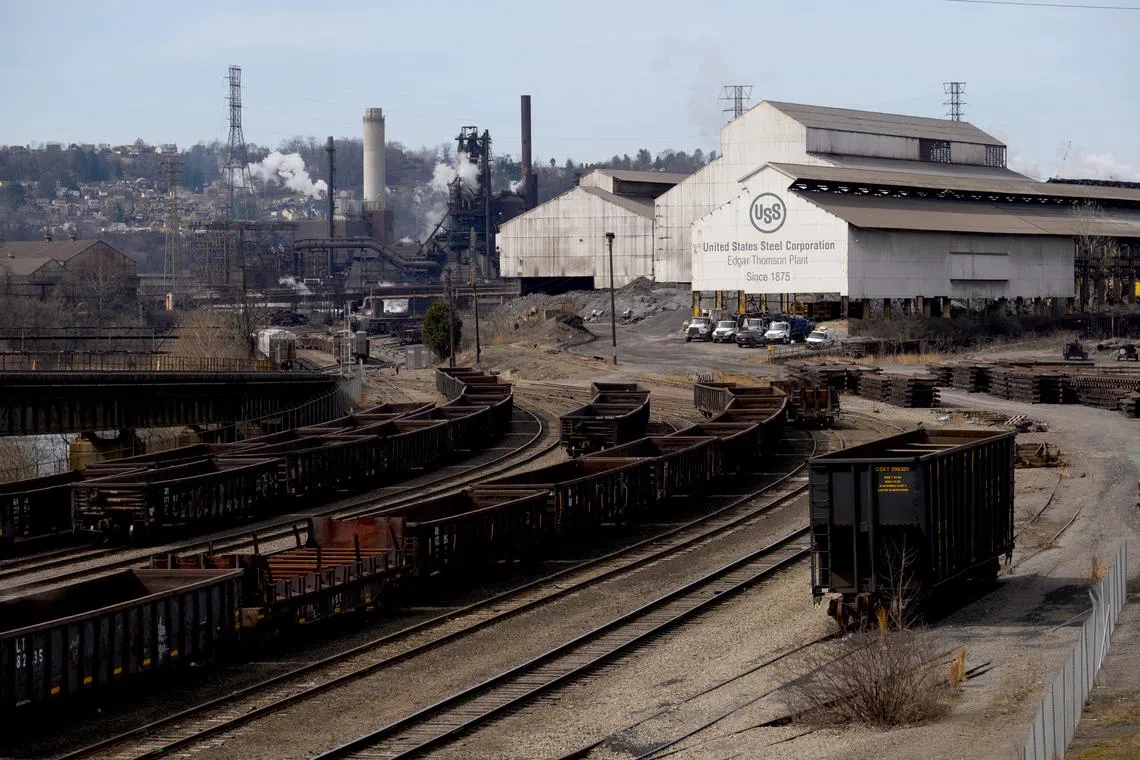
x=956 y=674
x=888 y=678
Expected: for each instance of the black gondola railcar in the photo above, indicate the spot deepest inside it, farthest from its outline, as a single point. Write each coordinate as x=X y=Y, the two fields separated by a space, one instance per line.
x=912 y=514
x=618 y=413
x=89 y=635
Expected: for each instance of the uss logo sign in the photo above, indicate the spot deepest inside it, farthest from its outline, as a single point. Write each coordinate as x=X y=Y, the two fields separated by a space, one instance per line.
x=767 y=212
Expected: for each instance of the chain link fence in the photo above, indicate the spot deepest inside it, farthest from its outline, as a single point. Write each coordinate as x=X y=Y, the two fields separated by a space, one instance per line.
x=1056 y=720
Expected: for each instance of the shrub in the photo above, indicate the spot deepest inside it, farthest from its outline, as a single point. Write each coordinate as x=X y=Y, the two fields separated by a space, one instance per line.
x=435 y=331
x=888 y=678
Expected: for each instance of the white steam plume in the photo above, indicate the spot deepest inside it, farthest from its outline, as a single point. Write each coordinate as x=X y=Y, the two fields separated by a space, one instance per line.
x=292 y=282
x=288 y=169
x=1102 y=166
x=444 y=175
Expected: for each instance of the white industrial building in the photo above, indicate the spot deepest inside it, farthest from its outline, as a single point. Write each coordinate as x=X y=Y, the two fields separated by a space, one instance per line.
x=564 y=238
x=843 y=204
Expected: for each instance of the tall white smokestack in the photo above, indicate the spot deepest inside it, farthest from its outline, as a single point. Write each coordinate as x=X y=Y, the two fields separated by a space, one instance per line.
x=375 y=178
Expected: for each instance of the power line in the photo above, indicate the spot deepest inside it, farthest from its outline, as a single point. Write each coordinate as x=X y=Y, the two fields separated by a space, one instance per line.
x=1051 y=5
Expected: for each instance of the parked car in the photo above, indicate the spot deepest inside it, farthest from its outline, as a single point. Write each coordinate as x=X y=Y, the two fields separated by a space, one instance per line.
x=1127 y=351
x=700 y=328
x=750 y=338
x=824 y=338
x=725 y=331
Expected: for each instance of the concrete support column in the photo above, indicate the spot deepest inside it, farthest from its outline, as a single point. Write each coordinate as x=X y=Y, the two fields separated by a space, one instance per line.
x=945 y=307
x=888 y=311
x=843 y=307
x=919 y=306
x=717 y=299
x=87 y=448
x=1070 y=305
x=696 y=303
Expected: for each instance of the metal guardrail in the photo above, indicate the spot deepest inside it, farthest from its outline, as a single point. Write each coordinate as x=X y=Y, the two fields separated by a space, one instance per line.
x=1060 y=712
x=73 y=361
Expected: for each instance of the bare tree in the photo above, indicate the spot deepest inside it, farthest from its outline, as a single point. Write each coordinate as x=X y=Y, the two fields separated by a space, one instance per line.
x=1097 y=254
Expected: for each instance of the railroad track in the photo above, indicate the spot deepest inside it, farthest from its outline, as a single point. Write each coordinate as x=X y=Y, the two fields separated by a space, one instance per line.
x=445 y=720
x=190 y=727
x=436 y=483
x=438 y=724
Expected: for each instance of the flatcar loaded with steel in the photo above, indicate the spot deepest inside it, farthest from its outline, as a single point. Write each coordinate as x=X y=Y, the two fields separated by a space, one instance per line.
x=897 y=521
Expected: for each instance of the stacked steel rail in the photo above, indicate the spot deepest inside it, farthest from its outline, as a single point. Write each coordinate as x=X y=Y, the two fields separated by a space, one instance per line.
x=1046 y=383
x=900 y=390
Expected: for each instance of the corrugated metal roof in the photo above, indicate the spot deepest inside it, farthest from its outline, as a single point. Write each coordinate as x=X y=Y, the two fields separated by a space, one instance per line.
x=627 y=175
x=925 y=214
x=955 y=182
x=924 y=167
x=875 y=123
x=24 y=257
x=636 y=205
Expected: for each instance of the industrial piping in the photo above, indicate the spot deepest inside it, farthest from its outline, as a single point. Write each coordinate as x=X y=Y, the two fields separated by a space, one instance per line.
x=310 y=244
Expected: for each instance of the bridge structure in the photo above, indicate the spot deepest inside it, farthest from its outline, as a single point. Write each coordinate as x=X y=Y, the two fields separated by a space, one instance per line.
x=42 y=402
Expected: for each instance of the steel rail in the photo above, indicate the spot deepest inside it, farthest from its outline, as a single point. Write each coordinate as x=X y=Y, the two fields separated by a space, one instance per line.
x=437 y=724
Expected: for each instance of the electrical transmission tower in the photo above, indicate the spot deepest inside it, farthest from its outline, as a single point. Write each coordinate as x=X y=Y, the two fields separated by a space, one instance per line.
x=737 y=97
x=954 y=92
x=171 y=171
x=238 y=197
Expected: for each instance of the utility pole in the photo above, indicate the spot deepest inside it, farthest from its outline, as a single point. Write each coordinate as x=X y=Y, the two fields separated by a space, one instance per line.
x=450 y=323
x=613 y=298
x=954 y=92
x=475 y=298
x=236 y=179
x=736 y=96
x=171 y=168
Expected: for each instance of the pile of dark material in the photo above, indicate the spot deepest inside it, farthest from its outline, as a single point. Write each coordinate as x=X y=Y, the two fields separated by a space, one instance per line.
x=1130 y=404
x=914 y=391
x=839 y=375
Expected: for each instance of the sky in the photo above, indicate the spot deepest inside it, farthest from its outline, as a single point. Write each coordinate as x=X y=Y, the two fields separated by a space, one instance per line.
x=606 y=76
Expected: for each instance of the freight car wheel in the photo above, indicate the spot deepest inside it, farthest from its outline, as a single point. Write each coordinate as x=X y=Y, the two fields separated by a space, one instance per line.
x=138 y=532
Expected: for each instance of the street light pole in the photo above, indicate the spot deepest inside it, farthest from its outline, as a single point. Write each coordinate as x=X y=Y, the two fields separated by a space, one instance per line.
x=613 y=300
x=450 y=323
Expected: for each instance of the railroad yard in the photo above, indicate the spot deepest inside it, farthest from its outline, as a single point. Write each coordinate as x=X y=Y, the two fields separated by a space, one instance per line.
x=670 y=603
